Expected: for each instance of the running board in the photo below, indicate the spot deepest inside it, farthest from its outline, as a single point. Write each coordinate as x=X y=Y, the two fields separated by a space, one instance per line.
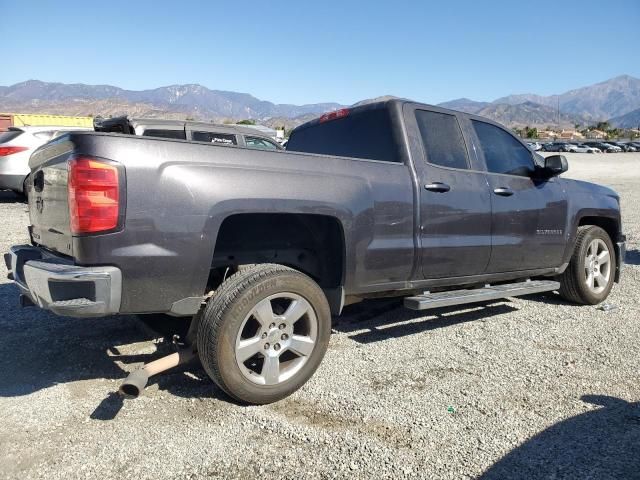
x=461 y=297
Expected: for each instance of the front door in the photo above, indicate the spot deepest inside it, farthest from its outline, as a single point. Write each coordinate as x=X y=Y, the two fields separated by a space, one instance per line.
x=455 y=203
x=529 y=215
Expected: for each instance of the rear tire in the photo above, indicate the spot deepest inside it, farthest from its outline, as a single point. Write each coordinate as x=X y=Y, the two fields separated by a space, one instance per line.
x=264 y=333
x=589 y=278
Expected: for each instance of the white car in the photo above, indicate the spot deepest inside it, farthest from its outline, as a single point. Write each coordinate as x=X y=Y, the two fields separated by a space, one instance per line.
x=583 y=149
x=16 y=146
x=535 y=146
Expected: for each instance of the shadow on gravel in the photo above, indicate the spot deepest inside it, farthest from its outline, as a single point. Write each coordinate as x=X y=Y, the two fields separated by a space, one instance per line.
x=632 y=257
x=602 y=443
x=368 y=316
x=7 y=196
x=39 y=350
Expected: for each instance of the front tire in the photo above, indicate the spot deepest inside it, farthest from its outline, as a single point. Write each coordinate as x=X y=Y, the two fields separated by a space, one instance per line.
x=264 y=333
x=589 y=278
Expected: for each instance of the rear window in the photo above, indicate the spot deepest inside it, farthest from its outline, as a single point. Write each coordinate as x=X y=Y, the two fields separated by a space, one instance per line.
x=177 y=134
x=10 y=135
x=363 y=135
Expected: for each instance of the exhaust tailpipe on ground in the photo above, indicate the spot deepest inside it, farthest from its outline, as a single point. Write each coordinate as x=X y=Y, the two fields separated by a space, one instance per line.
x=136 y=382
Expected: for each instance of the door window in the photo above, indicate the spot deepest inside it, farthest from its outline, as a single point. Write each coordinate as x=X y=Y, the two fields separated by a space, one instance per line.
x=442 y=139
x=260 y=143
x=502 y=152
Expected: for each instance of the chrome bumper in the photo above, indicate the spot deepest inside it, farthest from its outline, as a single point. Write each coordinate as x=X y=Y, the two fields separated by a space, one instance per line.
x=54 y=283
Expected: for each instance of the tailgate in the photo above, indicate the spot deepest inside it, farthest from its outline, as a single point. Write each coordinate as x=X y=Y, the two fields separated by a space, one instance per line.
x=47 y=193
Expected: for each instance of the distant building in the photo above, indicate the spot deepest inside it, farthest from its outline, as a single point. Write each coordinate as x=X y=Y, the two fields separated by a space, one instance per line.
x=597 y=134
x=571 y=135
x=547 y=134
x=35 y=119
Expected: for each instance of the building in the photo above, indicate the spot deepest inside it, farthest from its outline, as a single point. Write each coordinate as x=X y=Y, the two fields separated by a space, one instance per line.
x=571 y=135
x=596 y=134
x=35 y=119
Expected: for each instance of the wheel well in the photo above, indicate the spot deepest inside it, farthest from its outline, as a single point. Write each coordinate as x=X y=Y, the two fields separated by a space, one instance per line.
x=313 y=244
x=609 y=225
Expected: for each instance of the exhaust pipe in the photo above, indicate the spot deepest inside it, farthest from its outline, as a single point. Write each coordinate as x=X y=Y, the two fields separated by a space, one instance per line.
x=137 y=380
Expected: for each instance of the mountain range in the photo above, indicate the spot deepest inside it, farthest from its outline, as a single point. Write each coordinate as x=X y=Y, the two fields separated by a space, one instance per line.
x=616 y=100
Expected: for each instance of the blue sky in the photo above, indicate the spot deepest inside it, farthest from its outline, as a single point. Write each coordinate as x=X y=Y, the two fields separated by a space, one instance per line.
x=308 y=52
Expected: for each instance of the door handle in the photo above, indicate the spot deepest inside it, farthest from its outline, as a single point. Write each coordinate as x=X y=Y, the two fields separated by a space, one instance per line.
x=437 y=187
x=503 y=191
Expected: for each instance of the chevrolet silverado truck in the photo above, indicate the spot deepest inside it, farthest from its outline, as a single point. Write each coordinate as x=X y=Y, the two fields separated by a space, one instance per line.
x=258 y=249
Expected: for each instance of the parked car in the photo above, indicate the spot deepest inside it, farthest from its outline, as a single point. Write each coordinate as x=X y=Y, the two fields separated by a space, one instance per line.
x=625 y=147
x=16 y=146
x=583 y=149
x=227 y=135
x=636 y=145
x=555 y=147
x=534 y=146
x=257 y=249
x=604 y=147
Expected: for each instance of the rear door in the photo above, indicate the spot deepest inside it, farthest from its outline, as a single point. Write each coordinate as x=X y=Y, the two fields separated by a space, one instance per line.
x=529 y=215
x=455 y=204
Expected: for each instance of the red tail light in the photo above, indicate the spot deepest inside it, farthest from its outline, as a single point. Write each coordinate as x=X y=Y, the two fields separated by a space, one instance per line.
x=4 y=151
x=343 y=112
x=94 y=195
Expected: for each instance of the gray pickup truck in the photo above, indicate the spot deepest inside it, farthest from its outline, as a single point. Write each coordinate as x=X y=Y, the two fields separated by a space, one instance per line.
x=259 y=248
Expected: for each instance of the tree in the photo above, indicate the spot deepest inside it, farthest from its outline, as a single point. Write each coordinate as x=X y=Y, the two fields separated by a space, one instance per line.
x=531 y=132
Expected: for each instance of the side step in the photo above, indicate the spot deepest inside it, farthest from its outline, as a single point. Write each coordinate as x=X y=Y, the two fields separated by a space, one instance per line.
x=460 y=297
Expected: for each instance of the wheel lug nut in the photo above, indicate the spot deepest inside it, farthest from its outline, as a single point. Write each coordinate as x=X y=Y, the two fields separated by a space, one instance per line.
x=282 y=326
x=266 y=346
x=264 y=335
x=276 y=346
x=284 y=336
x=273 y=325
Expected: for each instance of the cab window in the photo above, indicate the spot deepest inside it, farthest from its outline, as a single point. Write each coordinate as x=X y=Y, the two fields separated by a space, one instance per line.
x=502 y=152
x=442 y=139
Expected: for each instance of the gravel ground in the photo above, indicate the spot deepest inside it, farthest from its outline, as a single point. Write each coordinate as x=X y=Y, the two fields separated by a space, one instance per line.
x=526 y=388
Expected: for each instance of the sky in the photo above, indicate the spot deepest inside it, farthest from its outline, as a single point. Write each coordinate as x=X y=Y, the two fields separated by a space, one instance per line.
x=324 y=51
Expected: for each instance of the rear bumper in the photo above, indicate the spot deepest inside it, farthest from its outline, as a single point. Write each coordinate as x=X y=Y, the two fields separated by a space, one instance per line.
x=54 y=283
x=12 y=182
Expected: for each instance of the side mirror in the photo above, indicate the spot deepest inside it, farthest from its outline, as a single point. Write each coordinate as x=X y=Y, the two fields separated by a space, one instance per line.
x=556 y=164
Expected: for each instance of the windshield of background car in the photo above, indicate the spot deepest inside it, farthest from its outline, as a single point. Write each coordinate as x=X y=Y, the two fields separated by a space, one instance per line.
x=10 y=135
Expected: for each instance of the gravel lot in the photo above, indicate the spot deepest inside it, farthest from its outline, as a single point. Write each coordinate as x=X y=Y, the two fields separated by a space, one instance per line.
x=526 y=388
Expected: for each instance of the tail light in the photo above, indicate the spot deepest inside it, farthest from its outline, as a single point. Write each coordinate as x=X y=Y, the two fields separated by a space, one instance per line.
x=343 y=112
x=94 y=195
x=4 y=151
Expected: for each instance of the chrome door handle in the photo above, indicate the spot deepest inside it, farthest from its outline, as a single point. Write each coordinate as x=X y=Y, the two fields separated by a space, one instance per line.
x=437 y=187
x=503 y=191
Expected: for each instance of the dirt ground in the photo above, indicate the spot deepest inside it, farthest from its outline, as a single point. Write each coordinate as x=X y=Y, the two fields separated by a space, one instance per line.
x=522 y=388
